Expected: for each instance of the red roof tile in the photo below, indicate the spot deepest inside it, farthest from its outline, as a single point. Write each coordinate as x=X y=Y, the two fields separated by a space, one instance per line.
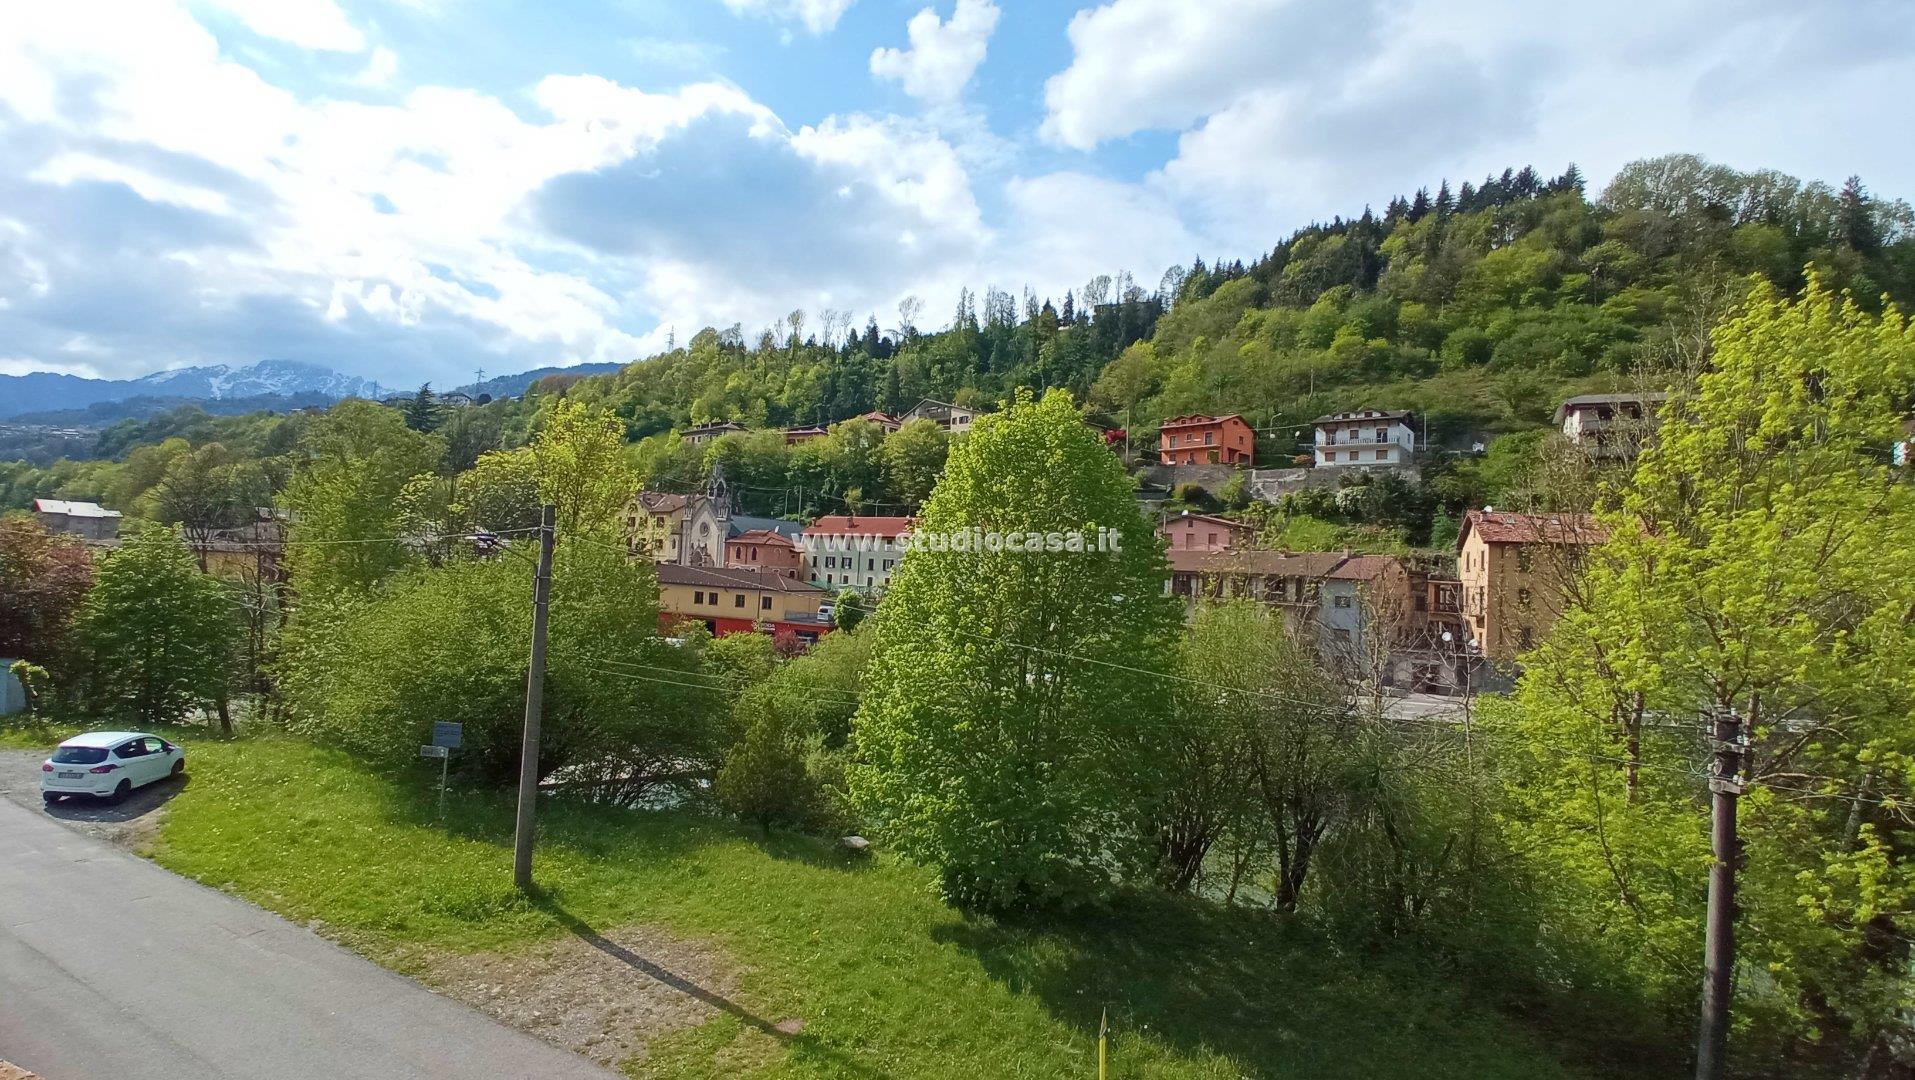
x=860 y=525
x=1507 y=527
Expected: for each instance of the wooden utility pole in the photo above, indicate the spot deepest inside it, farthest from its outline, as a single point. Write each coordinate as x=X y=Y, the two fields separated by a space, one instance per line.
x=1718 y=978
x=534 y=707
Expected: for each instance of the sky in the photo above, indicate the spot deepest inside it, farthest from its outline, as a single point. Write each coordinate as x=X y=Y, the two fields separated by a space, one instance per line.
x=412 y=190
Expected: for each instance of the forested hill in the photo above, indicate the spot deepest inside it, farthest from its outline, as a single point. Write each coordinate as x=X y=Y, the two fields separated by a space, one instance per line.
x=1478 y=306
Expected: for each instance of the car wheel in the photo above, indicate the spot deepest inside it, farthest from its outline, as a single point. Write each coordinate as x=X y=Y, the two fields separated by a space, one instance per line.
x=121 y=792
x=50 y=797
x=179 y=767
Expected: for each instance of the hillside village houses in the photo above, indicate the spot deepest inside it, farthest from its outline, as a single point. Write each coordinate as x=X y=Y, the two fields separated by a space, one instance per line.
x=854 y=550
x=1204 y=532
x=734 y=601
x=1205 y=440
x=86 y=520
x=768 y=550
x=1377 y=615
x=705 y=433
x=1609 y=425
x=954 y=419
x=1515 y=571
x=1367 y=438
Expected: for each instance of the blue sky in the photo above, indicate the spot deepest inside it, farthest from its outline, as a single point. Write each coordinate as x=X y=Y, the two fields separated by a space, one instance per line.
x=411 y=189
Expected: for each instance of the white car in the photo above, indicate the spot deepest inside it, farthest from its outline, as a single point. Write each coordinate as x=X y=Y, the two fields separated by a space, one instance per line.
x=108 y=764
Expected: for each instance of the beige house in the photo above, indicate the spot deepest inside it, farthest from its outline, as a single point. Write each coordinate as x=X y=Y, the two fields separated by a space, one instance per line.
x=1516 y=571
x=686 y=530
x=954 y=419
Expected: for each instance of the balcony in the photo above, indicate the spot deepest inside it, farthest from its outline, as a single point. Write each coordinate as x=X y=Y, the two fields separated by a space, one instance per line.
x=1358 y=444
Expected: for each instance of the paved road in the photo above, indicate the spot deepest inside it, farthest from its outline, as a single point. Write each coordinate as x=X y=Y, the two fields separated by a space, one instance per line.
x=114 y=969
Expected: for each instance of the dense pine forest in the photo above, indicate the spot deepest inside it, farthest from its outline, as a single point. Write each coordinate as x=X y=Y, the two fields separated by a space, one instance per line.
x=1479 y=306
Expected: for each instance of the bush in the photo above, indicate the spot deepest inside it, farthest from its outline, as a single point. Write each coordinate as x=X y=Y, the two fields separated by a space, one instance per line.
x=450 y=644
x=764 y=780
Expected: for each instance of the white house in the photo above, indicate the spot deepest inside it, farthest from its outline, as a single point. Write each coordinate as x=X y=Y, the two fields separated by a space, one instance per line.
x=1609 y=425
x=955 y=419
x=1366 y=438
x=854 y=551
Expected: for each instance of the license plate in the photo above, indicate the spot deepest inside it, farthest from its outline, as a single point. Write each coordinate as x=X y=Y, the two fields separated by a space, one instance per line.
x=72 y=776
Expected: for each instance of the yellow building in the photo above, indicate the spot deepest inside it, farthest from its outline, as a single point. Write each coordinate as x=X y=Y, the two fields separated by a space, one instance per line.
x=740 y=601
x=1516 y=571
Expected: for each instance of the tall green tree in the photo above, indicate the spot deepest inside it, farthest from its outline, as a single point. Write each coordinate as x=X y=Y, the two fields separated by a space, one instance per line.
x=423 y=411
x=157 y=636
x=345 y=497
x=583 y=469
x=1008 y=694
x=913 y=459
x=1761 y=560
x=44 y=577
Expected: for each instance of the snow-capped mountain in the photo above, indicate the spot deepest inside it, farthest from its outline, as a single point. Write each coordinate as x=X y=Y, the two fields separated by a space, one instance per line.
x=40 y=391
x=219 y=381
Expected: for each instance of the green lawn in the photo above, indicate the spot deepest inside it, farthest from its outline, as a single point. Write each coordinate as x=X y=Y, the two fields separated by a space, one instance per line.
x=889 y=982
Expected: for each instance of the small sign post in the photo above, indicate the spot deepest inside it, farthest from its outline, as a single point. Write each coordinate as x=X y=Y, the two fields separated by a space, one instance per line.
x=444 y=738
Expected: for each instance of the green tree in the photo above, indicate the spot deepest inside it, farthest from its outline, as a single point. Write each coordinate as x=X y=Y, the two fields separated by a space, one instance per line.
x=44 y=578
x=583 y=469
x=763 y=780
x=449 y=644
x=157 y=636
x=345 y=498
x=422 y=410
x=1000 y=733
x=913 y=458
x=1761 y=560
x=848 y=611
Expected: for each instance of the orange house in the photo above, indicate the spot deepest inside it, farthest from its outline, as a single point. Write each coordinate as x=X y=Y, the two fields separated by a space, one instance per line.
x=1204 y=440
x=762 y=549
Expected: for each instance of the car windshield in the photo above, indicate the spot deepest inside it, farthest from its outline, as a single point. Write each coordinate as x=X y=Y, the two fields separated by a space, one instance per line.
x=79 y=755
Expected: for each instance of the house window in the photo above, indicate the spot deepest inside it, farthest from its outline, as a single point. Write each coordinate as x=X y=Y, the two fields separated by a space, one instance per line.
x=738 y=601
x=764 y=603
x=1525 y=638
x=1522 y=558
x=888 y=562
x=698 y=596
x=1522 y=597
x=1382 y=435
x=1212 y=539
x=1343 y=601
x=1382 y=454
x=1210 y=438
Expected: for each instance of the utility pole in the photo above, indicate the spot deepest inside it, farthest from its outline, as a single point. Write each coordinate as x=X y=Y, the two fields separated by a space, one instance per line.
x=534 y=707
x=1718 y=977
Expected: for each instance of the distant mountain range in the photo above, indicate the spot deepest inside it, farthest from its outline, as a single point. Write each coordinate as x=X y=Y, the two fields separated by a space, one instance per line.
x=514 y=385
x=270 y=384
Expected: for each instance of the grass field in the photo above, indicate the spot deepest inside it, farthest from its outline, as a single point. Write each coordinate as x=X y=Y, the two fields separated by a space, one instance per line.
x=888 y=981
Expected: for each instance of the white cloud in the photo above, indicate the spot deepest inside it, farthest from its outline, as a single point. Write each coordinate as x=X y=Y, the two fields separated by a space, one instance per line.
x=817 y=16
x=402 y=238
x=1072 y=231
x=1289 y=110
x=381 y=68
x=309 y=24
x=943 y=54
x=1140 y=64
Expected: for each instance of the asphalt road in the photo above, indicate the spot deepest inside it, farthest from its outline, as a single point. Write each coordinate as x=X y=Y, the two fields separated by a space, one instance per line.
x=114 y=969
